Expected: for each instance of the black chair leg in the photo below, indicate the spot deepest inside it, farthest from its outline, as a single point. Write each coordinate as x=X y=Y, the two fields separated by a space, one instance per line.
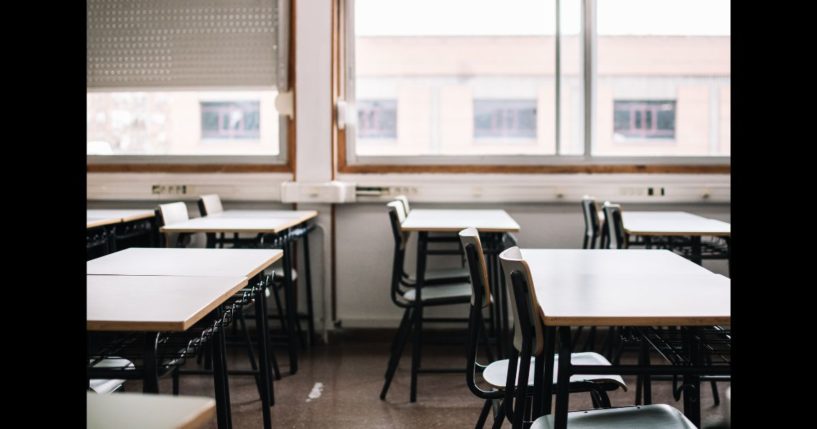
x=394 y=359
x=397 y=338
x=499 y=418
x=483 y=415
x=416 y=349
x=604 y=400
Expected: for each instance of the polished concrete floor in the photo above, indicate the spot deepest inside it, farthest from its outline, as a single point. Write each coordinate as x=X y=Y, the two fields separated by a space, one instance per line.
x=338 y=386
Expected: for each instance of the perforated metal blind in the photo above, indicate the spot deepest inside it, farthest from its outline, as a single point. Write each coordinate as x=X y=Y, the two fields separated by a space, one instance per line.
x=161 y=44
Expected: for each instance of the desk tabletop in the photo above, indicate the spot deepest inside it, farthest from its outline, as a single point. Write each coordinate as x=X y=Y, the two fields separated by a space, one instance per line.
x=137 y=411
x=154 y=303
x=100 y=217
x=626 y=288
x=454 y=220
x=300 y=215
x=137 y=261
x=673 y=223
x=232 y=224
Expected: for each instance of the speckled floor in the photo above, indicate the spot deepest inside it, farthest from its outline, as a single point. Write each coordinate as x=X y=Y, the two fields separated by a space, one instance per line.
x=350 y=370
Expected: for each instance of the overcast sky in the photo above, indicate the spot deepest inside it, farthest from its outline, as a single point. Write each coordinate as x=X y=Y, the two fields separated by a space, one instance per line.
x=536 y=17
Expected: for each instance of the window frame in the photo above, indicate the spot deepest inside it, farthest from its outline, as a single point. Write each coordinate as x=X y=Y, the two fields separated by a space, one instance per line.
x=349 y=162
x=283 y=162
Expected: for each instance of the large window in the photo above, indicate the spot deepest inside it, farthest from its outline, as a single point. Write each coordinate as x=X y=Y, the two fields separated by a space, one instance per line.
x=184 y=82
x=539 y=81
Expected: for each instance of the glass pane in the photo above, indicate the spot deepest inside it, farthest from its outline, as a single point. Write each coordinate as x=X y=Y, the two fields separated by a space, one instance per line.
x=663 y=78
x=443 y=70
x=182 y=123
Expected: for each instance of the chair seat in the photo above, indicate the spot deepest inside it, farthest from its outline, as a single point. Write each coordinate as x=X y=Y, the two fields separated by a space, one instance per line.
x=497 y=372
x=638 y=417
x=445 y=273
x=453 y=291
x=104 y=386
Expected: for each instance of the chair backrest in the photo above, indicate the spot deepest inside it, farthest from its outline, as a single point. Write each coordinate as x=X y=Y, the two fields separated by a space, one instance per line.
x=591 y=222
x=617 y=238
x=480 y=298
x=167 y=214
x=480 y=287
x=403 y=199
x=210 y=204
x=527 y=325
x=172 y=213
x=396 y=217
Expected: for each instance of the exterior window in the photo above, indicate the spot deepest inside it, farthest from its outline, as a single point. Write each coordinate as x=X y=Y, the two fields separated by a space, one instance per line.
x=377 y=119
x=193 y=124
x=230 y=120
x=639 y=119
x=505 y=118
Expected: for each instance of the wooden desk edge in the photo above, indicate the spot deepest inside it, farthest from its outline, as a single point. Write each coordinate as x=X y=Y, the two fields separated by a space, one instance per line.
x=425 y=229
x=175 y=230
x=102 y=222
x=273 y=259
x=206 y=414
x=636 y=321
x=145 y=215
x=677 y=234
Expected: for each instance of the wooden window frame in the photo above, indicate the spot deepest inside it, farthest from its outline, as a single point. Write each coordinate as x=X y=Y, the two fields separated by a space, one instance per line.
x=342 y=164
x=194 y=167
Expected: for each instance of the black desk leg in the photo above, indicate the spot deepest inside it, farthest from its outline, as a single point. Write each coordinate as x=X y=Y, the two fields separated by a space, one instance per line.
x=546 y=382
x=422 y=246
x=563 y=379
x=692 y=391
x=263 y=359
x=151 y=376
x=222 y=387
x=291 y=309
x=308 y=277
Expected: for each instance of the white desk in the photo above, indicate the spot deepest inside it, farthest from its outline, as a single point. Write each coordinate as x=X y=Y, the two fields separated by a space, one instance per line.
x=445 y=220
x=154 y=304
x=595 y=287
x=673 y=224
x=492 y=224
x=119 y=215
x=302 y=215
x=198 y=263
x=621 y=288
x=135 y=411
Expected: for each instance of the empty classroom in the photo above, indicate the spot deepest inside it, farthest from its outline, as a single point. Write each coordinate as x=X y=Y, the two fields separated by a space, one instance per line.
x=408 y=214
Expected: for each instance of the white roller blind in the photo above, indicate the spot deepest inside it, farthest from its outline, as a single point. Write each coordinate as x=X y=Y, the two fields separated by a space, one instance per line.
x=161 y=44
